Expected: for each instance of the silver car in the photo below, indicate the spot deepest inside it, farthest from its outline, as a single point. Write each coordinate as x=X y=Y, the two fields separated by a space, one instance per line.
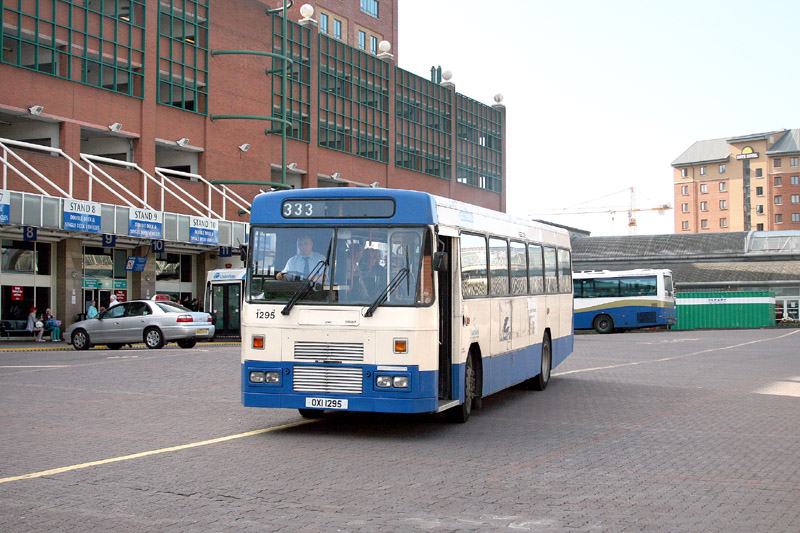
x=154 y=323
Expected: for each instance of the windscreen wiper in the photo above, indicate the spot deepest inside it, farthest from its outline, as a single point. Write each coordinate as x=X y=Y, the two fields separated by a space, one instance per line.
x=402 y=274
x=308 y=283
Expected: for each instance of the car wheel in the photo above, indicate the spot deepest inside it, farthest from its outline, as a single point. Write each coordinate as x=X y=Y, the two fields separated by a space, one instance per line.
x=114 y=346
x=187 y=343
x=80 y=340
x=153 y=338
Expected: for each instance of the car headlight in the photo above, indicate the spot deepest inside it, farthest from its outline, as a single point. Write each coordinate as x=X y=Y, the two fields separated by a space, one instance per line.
x=400 y=382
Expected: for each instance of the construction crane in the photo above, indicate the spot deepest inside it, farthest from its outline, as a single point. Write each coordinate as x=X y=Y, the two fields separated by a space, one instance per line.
x=630 y=210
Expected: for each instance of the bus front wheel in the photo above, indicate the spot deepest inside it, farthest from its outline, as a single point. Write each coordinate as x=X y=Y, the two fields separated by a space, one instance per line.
x=540 y=382
x=310 y=413
x=604 y=324
x=460 y=413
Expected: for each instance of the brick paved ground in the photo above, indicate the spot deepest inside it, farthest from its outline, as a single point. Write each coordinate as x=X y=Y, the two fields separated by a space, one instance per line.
x=637 y=432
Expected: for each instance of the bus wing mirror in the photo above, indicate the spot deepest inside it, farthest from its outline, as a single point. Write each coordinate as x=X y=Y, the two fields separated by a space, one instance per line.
x=440 y=261
x=243 y=252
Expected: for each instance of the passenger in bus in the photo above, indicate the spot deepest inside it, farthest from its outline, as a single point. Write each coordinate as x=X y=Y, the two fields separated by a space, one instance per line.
x=348 y=272
x=373 y=274
x=302 y=264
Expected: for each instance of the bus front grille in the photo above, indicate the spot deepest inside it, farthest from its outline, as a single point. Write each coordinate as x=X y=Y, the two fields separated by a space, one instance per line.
x=336 y=380
x=325 y=352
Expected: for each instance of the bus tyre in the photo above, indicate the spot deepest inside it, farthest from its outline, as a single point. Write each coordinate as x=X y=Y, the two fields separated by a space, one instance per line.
x=603 y=324
x=187 y=343
x=153 y=338
x=310 y=413
x=114 y=346
x=460 y=413
x=540 y=382
x=80 y=340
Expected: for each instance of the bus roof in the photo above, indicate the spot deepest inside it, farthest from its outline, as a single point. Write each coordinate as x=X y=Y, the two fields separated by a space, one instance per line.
x=621 y=273
x=411 y=208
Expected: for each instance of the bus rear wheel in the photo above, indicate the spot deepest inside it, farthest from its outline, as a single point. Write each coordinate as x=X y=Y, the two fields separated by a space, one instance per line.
x=540 y=382
x=603 y=324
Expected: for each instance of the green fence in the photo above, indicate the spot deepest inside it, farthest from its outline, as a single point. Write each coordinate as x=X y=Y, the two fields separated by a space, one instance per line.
x=717 y=310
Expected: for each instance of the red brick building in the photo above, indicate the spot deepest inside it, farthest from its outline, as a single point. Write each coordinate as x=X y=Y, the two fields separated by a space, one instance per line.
x=175 y=109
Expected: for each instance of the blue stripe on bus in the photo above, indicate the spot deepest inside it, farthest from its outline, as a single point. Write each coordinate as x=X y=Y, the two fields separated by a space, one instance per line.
x=499 y=372
x=421 y=397
x=626 y=316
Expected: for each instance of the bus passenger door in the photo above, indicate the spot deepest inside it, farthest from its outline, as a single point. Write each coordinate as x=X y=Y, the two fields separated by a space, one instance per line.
x=446 y=318
x=226 y=304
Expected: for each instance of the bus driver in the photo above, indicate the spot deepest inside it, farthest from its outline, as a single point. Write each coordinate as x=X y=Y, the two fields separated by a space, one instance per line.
x=300 y=266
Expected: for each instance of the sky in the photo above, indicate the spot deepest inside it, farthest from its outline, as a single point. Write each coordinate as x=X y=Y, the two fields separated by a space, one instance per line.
x=601 y=96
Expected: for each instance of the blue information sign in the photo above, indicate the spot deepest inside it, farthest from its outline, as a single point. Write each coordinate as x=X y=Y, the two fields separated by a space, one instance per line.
x=109 y=241
x=203 y=230
x=157 y=247
x=136 y=264
x=225 y=251
x=5 y=206
x=29 y=233
x=146 y=224
x=82 y=216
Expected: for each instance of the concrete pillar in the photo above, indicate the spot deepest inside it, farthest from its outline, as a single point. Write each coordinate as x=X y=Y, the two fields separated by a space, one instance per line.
x=143 y=284
x=69 y=279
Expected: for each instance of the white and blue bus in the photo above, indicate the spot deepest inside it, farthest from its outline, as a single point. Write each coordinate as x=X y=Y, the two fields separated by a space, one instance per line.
x=398 y=301
x=609 y=301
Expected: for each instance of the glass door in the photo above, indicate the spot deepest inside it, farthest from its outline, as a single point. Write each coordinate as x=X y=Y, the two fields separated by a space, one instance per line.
x=226 y=305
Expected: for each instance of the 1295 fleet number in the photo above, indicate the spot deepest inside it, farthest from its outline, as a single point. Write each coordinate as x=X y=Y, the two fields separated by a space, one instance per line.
x=265 y=315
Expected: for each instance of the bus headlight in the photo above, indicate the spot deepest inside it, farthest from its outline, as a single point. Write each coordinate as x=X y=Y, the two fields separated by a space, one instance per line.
x=400 y=382
x=272 y=377
x=256 y=376
x=383 y=381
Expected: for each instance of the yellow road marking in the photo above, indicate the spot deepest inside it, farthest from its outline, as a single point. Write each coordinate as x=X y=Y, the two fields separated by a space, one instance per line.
x=663 y=359
x=152 y=452
x=34 y=366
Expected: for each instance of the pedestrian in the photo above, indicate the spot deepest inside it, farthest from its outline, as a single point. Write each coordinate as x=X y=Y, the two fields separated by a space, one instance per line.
x=195 y=305
x=52 y=325
x=35 y=325
x=92 y=311
x=113 y=301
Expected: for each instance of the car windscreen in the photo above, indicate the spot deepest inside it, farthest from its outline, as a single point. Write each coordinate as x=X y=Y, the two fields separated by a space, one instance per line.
x=172 y=307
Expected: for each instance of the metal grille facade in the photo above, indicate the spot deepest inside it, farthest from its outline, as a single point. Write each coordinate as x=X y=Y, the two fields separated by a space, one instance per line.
x=479 y=144
x=183 y=54
x=99 y=44
x=422 y=125
x=328 y=379
x=349 y=352
x=353 y=101
x=298 y=83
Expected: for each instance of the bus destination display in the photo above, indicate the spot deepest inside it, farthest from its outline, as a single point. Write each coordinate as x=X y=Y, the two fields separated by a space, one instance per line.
x=349 y=208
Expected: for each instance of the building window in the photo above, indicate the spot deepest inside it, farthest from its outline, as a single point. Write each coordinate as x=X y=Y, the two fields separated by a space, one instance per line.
x=759 y=173
x=795 y=180
x=685 y=208
x=684 y=172
x=759 y=209
x=685 y=225
x=796 y=198
x=723 y=204
x=795 y=217
x=323 y=23
x=703 y=171
x=779 y=200
x=778 y=181
x=760 y=227
x=794 y=161
x=703 y=206
x=704 y=224
x=362 y=40
x=370 y=7
x=183 y=55
x=723 y=223
x=337 y=28
x=759 y=191
x=373 y=44
x=685 y=190
x=704 y=188
x=776 y=163
x=722 y=169
x=778 y=218
x=723 y=186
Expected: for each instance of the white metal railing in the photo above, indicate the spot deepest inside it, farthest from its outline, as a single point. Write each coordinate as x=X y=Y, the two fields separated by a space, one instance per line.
x=14 y=165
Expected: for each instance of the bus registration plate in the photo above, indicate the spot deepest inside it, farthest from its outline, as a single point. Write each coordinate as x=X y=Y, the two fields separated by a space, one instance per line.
x=326 y=403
